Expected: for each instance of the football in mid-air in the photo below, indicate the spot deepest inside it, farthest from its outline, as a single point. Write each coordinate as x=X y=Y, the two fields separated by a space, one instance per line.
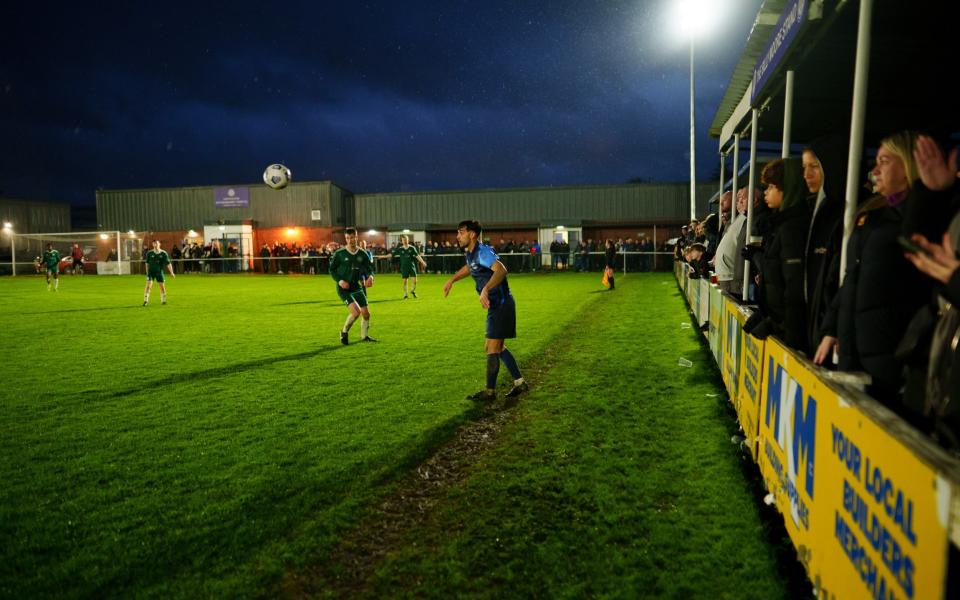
x=277 y=176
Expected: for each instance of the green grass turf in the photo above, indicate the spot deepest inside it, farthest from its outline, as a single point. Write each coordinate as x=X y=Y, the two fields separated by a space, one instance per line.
x=206 y=447
x=617 y=478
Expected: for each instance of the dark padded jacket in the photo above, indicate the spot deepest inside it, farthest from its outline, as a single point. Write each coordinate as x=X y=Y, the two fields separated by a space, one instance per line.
x=781 y=265
x=881 y=292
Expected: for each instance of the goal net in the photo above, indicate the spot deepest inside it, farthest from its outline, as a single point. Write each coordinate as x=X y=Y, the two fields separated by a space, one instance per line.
x=81 y=252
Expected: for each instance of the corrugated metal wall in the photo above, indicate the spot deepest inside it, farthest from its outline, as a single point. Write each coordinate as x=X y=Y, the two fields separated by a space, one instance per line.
x=30 y=216
x=173 y=209
x=633 y=203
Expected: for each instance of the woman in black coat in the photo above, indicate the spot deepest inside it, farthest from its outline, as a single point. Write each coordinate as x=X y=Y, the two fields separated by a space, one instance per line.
x=880 y=291
x=825 y=173
x=781 y=263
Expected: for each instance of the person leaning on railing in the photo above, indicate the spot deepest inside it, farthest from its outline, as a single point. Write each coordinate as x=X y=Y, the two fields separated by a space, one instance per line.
x=782 y=311
x=728 y=249
x=695 y=256
x=824 y=172
x=881 y=291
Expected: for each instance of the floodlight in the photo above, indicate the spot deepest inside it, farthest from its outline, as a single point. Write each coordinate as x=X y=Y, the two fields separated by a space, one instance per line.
x=693 y=18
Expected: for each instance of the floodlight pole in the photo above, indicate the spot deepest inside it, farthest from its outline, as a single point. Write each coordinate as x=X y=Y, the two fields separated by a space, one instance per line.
x=13 y=254
x=693 y=176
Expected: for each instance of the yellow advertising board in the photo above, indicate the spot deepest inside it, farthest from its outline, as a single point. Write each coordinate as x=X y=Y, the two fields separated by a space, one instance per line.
x=703 y=316
x=867 y=515
x=750 y=378
x=693 y=294
x=733 y=321
x=716 y=323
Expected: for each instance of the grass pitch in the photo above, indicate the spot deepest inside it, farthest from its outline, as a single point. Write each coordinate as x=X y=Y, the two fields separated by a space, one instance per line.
x=216 y=445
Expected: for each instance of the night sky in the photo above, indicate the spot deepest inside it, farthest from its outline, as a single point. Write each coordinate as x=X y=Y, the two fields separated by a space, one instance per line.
x=377 y=96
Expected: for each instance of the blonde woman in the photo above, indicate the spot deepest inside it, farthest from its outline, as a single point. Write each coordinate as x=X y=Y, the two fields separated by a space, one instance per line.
x=881 y=291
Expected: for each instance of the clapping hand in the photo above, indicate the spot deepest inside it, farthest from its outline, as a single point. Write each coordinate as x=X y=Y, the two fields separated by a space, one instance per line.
x=936 y=260
x=935 y=172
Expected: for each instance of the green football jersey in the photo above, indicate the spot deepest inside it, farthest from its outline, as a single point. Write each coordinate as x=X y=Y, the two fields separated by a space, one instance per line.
x=51 y=258
x=408 y=256
x=350 y=267
x=156 y=260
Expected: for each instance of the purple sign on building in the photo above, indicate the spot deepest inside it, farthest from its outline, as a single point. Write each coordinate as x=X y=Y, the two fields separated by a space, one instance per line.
x=231 y=197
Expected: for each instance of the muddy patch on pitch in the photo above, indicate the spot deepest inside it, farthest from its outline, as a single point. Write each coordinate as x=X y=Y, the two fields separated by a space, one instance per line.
x=350 y=567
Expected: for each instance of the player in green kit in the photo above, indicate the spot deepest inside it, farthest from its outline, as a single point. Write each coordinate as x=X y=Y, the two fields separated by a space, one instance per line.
x=51 y=264
x=408 y=267
x=352 y=269
x=156 y=259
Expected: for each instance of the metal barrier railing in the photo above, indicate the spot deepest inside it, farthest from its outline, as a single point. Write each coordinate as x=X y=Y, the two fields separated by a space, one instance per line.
x=515 y=262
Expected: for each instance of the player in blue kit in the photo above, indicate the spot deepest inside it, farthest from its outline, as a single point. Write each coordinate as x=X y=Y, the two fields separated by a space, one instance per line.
x=490 y=277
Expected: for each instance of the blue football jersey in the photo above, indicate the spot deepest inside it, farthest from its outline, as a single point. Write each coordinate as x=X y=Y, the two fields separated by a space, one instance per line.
x=481 y=262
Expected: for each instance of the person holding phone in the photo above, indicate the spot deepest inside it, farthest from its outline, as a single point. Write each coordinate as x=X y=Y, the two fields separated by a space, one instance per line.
x=935 y=202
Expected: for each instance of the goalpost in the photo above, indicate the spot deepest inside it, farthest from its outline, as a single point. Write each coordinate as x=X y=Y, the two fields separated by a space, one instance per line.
x=103 y=248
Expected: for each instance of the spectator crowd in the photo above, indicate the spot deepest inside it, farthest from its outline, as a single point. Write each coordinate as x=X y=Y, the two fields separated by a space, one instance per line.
x=888 y=312
x=441 y=256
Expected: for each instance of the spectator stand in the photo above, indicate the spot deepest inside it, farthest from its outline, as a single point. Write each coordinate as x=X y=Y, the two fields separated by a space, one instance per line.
x=869 y=502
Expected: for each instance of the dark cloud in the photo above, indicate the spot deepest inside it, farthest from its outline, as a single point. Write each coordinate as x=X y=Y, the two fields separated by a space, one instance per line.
x=377 y=96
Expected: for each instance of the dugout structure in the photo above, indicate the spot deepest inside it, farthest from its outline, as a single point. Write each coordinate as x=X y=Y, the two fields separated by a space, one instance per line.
x=108 y=250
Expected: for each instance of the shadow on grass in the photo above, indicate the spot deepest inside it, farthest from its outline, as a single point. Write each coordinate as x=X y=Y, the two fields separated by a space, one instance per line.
x=318 y=302
x=328 y=303
x=789 y=567
x=74 y=310
x=214 y=373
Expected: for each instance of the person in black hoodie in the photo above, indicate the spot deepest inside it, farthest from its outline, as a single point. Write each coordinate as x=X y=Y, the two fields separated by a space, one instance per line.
x=781 y=265
x=880 y=291
x=824 y=171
